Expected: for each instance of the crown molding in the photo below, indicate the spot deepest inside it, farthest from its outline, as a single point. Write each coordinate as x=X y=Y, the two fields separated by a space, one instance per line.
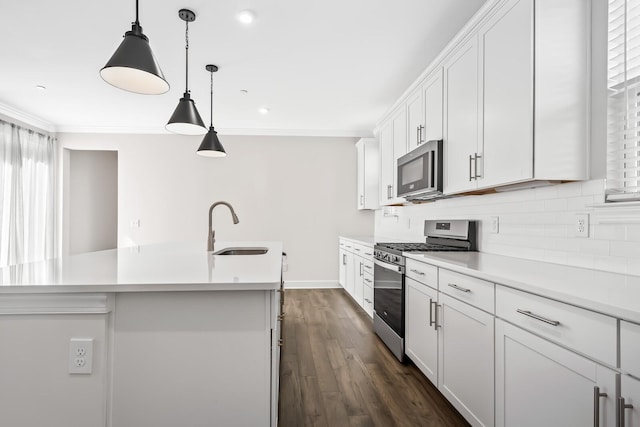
x=160 y=130
x=26 y=118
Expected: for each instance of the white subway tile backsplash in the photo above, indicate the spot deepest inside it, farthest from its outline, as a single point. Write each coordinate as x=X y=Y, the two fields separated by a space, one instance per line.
x=572 y=189
x=633 y=233
x=580 y=203
x=595 y=247
x=555 y=205
x=627 y=249
x=535 y=224
x=613 y=264
x=608 y=231
x=593 y=188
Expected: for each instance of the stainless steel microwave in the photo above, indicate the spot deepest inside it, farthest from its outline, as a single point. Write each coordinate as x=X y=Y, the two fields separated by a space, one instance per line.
x=420 y=172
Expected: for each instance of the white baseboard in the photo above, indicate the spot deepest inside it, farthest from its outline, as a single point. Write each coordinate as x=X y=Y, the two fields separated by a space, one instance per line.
x=311 y=284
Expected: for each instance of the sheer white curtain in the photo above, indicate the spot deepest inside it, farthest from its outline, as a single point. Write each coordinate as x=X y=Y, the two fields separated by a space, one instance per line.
x=27 y=195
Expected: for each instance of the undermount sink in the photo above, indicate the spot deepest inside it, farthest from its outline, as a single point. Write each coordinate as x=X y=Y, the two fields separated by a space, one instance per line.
x=242 y=251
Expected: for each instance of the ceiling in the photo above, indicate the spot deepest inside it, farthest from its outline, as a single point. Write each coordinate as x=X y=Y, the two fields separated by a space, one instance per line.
x=330 y=67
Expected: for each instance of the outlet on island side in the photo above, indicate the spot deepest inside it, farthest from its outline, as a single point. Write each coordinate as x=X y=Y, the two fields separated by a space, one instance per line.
x=81 y=355
x=581 y=227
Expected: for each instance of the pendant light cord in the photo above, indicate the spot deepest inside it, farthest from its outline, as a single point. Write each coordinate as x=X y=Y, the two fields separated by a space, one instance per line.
x=137 y=22
x=186 y=37
x=211 y=111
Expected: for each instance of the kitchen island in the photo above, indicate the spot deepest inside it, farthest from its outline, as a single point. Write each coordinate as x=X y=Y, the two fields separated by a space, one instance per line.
x=177 y=336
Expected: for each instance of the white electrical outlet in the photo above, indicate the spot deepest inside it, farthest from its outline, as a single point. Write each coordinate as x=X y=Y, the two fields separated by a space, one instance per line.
x=495 y=224
x=582 y=225
x=81 y=355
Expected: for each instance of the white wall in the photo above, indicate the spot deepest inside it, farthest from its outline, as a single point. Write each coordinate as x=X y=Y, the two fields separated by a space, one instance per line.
x=535 y=224
x=299 y=190
x=92 y=209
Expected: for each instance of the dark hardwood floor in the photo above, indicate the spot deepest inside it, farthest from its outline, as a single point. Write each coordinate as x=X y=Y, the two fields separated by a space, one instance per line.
x=336 y=372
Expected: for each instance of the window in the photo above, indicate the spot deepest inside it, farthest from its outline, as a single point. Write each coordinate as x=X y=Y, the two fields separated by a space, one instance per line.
x=27 y=195
x=623 y=141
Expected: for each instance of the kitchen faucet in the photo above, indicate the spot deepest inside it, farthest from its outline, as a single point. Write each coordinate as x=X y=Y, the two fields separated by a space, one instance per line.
x=212 y=234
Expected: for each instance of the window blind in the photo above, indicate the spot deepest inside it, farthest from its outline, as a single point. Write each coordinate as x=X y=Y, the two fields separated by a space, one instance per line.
x=623 y=121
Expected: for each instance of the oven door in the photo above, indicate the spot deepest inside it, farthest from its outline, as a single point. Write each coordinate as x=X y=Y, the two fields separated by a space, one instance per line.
x=388 y=294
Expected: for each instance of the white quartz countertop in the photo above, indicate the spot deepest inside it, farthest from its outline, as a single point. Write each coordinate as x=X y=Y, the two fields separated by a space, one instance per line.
x=364 y=240
x=157 y=267
x=616 y=295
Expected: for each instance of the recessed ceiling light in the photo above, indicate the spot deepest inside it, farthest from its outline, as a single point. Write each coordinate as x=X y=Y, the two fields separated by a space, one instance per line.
x=246 y=16
x=263 y=110
x=40 y=87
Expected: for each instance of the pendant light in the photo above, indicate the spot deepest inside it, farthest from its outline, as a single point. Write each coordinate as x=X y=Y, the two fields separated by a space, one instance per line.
x=211 y=146
x=185 y=119
x=133 y=67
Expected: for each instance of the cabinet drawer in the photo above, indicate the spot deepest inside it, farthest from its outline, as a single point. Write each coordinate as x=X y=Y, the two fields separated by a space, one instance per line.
x=363 y=250
x=630 y=348
x=421 y=272
x=367 y=264
x=347 y=244
x=368 y=279
x=476 y=292
x=368 y=299
x=589 y=333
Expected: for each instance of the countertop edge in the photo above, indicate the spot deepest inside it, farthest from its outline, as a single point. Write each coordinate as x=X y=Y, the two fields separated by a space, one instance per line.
x=563 y=297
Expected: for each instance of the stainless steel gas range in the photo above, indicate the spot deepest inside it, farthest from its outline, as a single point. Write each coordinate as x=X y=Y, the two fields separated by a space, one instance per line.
x=389 y=275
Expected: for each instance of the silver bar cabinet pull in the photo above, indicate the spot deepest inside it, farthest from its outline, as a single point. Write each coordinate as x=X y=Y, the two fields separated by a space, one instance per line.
x=417 y=272
x=476 y=175
x=470 y=162
x=422 y=138
x=459 y=288
x=622 y=406
x=431 y=321
x=596 y=405
x=540 y=318
x=418 y=135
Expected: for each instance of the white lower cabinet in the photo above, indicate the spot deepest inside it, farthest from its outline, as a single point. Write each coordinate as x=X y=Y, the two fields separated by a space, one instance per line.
x=356 y=271
x=539 y=383
x=465 y=368
x=629 y=402
x=342 y=268
x=421 y=337
x=451 y=341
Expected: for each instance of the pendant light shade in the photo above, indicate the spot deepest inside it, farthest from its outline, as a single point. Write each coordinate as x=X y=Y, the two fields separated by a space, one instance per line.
x=185 y=119
x=211 y=145
x=133 y=67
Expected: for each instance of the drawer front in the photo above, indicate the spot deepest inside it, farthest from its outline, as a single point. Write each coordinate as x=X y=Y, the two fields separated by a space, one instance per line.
x=592 y=334
x=368 y=299
x=348 y=245
x=421 y=272
x=368 y=280
x=630 y=348
x=471 y=290
x=363 y=250
x=367 y=264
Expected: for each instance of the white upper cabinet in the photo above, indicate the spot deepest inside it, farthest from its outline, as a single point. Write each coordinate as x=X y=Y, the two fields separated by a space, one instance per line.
x=424 y=111
x=432 y=96
x=461 y=112
x=387 y=169
x=506 y=45
x=368 y=165
x=415 y=115
x=393 y=144
x=509 y=96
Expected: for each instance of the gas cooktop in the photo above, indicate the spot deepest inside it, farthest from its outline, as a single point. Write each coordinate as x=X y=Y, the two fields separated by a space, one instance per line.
x=418 y=247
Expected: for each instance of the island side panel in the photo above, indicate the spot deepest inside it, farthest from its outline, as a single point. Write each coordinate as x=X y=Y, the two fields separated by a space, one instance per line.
x=36 y=388
x=191 y=358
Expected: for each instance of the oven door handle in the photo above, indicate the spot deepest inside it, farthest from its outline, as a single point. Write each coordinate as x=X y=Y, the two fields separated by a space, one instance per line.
x=387 y=266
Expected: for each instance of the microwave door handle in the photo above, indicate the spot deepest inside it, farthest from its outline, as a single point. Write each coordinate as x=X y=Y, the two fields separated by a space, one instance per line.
x=428 y=169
